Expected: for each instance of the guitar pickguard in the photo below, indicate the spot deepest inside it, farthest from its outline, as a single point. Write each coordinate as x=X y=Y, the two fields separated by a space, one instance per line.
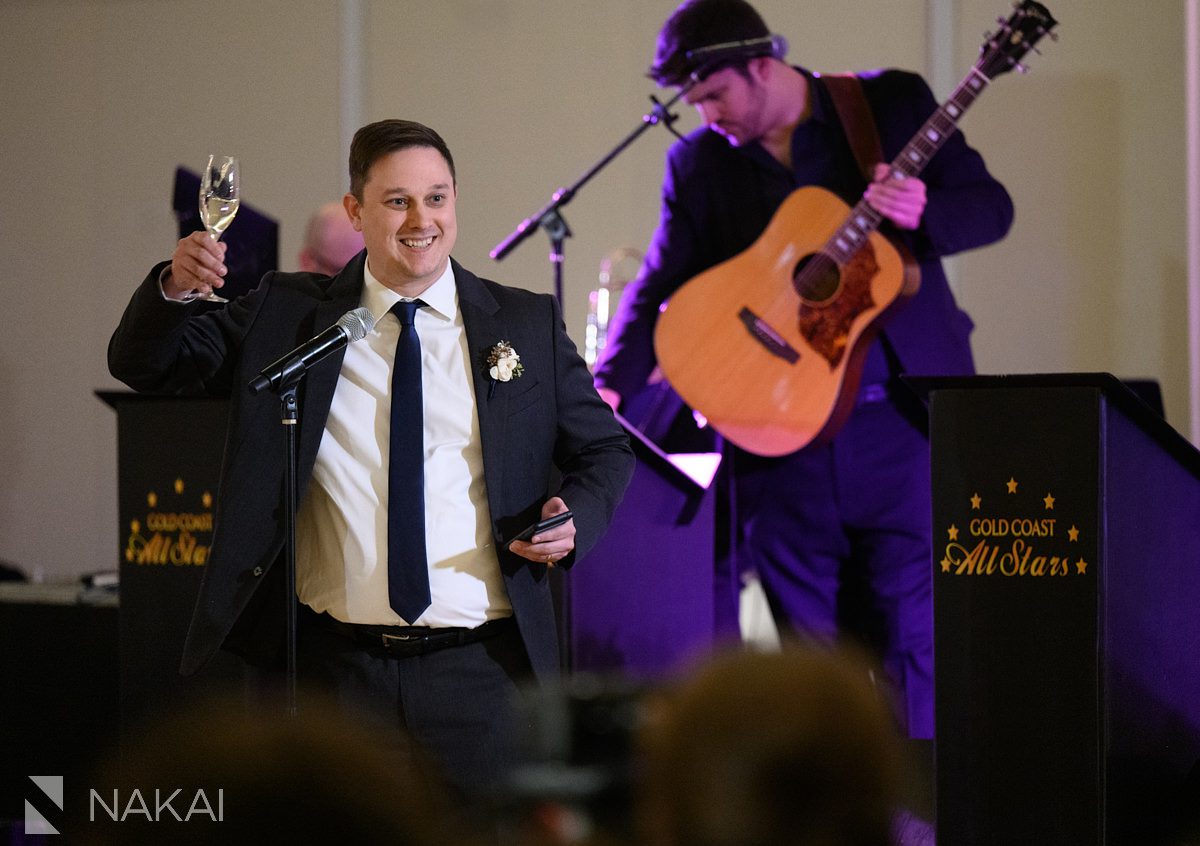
x=826 y=326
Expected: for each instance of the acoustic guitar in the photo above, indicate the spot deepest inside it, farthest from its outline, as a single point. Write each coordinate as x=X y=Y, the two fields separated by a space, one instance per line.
x=769 y=345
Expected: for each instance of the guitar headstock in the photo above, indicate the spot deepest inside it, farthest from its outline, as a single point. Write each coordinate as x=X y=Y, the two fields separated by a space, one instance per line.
x=1003 y=50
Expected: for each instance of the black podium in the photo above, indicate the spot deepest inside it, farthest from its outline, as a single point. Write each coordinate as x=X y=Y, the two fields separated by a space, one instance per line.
x=59 y=710
x=640 y=604
x=1066 y=520
x=168 y=466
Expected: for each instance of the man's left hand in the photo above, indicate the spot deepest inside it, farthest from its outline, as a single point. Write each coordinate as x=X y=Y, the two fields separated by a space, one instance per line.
x=553 y=545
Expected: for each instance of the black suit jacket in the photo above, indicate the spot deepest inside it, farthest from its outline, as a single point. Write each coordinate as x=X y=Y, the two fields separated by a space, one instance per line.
x=546 y=426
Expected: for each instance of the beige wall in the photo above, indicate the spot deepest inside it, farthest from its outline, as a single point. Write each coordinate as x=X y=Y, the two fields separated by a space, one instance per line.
x=1092 y=145
x=103 y=99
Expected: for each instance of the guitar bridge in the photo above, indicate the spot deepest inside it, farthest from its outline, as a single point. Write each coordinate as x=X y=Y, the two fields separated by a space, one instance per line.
x=772 y=341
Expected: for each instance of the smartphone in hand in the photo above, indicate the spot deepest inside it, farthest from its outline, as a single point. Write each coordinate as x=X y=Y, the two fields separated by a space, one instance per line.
x=540 y=526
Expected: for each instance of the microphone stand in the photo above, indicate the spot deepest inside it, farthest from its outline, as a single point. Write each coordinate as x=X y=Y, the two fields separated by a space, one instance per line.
x=549 y=217
x=284 y=377
x=289 y=415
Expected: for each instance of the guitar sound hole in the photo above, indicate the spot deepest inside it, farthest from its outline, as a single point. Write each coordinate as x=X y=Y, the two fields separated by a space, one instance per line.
x=816 y=279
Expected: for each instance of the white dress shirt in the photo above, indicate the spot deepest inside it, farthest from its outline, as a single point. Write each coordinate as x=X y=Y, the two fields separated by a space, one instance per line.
x=341 y=532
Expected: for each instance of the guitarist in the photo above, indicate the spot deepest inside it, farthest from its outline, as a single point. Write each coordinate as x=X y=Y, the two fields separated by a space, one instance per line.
x=851 y=516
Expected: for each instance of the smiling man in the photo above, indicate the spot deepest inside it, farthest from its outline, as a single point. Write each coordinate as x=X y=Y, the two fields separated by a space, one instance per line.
x=416 y=465
x=404 y=206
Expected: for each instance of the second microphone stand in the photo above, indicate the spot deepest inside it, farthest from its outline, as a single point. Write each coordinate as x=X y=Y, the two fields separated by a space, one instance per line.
x=549 y=218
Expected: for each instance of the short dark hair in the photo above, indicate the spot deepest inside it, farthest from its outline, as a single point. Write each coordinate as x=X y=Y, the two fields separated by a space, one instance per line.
x=376 y=140
x=702 y=23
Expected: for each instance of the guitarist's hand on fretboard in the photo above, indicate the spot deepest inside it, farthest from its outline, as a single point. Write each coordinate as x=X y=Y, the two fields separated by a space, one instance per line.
x=902 y=201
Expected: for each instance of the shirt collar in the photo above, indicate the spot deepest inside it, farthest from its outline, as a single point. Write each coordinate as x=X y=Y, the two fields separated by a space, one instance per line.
x=441 y=297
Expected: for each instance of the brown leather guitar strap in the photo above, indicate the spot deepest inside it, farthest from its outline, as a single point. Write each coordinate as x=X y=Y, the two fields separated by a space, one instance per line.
x=845 y=89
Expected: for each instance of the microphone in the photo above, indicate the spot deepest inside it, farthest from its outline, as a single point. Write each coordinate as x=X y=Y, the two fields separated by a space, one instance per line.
x=704 y=57
x=351 y=326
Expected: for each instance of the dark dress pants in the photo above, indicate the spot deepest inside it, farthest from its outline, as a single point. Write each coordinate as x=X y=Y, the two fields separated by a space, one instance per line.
x=458 y=704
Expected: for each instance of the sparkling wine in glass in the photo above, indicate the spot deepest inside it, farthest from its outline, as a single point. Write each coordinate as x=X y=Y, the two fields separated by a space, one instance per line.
x=219 y=198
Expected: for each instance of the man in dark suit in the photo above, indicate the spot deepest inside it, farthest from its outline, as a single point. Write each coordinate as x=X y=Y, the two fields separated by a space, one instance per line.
x=852 y=516
x=509 y=430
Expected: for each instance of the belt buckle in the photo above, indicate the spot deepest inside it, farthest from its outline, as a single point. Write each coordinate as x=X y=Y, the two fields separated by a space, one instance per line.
x=401 y=640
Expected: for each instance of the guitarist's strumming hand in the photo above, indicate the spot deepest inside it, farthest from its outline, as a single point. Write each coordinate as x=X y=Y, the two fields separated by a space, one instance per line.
x=902 y=201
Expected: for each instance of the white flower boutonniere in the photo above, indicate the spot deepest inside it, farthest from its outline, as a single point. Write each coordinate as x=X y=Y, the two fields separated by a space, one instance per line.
x=503 y=363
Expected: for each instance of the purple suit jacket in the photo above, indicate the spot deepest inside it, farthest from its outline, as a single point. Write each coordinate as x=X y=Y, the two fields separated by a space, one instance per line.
x=718 y=199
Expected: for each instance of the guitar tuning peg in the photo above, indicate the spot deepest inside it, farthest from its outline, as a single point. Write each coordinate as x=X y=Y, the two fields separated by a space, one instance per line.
x=1020 y=68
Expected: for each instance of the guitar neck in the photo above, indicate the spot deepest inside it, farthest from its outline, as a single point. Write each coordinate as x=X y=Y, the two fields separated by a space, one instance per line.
x=917 y=153
x=864 y=219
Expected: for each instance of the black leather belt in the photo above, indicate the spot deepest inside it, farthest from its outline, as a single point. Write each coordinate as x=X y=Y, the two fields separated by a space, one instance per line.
x=407 y=641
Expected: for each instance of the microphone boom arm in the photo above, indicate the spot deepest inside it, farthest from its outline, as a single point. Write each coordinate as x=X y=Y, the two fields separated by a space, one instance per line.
x=549 y=217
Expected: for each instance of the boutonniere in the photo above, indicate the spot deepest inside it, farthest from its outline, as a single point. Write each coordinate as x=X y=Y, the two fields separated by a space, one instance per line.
x=503 y=364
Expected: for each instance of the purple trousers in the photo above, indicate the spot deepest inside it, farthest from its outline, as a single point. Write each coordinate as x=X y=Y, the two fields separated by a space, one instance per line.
x=840 y=535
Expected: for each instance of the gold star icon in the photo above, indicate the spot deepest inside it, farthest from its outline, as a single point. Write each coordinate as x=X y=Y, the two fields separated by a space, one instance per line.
x=1049 y=500
x=1081 y=567
x=152 y=499
x=179 y=486
x=952 y=532
x=975 y=502
x=206 y=500
x=1073 y=534
x=1012 y=485
x=945 y=565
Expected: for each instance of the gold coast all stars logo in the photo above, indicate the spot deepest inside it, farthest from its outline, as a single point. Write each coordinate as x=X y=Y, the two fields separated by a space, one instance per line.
x=176 y=528
x=1007 y=531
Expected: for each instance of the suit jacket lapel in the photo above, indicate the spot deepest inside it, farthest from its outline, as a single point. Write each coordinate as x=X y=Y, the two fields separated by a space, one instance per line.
x=344 y=294
x=484 y=328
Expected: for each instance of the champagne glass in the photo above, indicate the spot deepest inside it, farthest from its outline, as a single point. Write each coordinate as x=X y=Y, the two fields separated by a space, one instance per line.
x=219 y=198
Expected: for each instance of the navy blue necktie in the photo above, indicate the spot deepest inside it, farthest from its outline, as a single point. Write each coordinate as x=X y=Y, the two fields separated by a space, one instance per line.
x=408 y=569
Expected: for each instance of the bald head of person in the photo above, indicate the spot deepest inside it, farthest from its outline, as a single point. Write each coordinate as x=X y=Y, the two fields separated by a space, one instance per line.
x=330 y=240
